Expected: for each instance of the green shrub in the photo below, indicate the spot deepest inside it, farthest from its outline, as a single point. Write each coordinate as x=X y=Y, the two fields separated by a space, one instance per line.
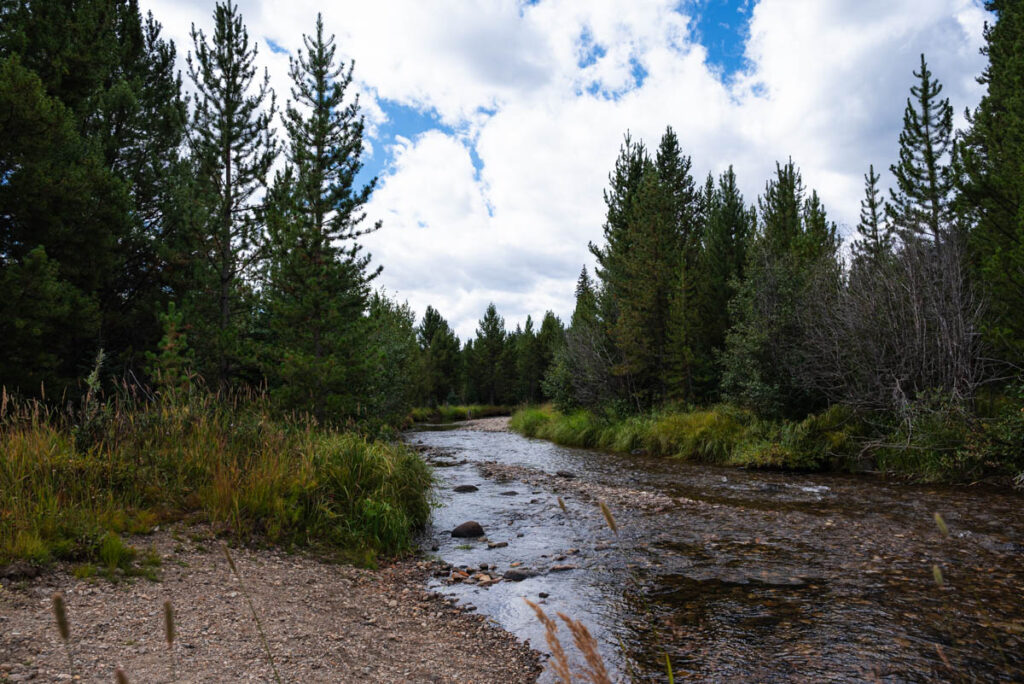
x=529 y=421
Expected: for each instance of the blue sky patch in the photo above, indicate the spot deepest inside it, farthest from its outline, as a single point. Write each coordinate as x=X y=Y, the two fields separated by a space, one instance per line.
x=721 y=27
x=275 y=48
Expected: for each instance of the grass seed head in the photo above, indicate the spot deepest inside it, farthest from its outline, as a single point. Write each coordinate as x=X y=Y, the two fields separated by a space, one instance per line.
x=60 y=612
x=169 y=623
x=609 y=518
x=227 y=554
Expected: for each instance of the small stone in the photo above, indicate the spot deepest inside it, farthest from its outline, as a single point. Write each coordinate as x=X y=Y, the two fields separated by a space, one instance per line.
x=519 y=574
x=497 y=545
x=543 y=594
x=562 y=568
x=566 y=474
x=509 y=493
x=465 y=489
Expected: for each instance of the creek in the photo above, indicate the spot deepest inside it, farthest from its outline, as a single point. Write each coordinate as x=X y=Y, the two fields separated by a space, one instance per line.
x=736 y=575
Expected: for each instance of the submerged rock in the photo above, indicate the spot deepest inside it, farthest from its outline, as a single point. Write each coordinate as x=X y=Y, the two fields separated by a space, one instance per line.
x=469 y=529
x=465 y=489
x=519 y=574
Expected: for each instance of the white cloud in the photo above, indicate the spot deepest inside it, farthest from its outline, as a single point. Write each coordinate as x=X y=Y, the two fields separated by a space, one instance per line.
x=826 y=84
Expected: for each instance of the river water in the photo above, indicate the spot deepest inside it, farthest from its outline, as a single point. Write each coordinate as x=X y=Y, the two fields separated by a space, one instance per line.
x=735 y=575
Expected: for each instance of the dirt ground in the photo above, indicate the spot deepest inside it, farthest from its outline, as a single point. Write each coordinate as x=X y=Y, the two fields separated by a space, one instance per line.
x=497 y=424
x=323 y=623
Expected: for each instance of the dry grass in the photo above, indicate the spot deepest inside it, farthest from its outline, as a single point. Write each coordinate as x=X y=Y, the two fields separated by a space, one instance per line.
x=71 y=481
x=593 y=670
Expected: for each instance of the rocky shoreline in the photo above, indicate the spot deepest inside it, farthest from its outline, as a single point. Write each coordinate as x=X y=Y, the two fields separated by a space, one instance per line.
x=324 y=622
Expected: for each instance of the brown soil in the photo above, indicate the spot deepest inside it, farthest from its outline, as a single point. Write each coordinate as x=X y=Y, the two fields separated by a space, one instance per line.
x=324 y=623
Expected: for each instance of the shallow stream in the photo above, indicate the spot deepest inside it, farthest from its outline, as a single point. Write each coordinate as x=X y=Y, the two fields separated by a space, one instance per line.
x=735 y=575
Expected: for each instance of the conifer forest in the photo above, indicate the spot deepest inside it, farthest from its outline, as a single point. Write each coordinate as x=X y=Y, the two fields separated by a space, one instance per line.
x=192 y=327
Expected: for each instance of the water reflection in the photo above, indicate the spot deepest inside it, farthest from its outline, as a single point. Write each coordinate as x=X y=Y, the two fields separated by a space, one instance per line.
x=744 y=575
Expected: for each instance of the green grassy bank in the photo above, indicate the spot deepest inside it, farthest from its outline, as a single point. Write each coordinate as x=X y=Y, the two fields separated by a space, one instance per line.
x=448 y=414
x=935 y=446
x=69 y=481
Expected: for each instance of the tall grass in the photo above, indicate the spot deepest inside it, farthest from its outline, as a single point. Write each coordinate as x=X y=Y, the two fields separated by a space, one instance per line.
x=448 y=414
x=720 y=434
x=137 y=462
x=935 y=441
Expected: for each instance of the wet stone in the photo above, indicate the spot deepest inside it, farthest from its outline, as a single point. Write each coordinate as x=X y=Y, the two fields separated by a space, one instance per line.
x=519 y=574
x=468 y=529
x=466 y=488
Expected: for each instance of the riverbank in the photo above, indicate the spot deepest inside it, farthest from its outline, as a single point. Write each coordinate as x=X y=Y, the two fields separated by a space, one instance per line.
x=323 y=622
x=936 y=448
x=72 y=481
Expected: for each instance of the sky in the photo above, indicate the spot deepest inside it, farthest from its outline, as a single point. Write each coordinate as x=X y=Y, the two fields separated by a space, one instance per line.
x=492 y=125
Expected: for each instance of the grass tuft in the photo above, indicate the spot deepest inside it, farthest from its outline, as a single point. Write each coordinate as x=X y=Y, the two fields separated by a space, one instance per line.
x=226 y=461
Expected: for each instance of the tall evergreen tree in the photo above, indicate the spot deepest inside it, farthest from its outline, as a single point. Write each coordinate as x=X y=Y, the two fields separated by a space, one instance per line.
x=114 y=75
x=440 y=348
x=551 y=339
x=529 y=363
x=729 y=225
x=763 y=359
x=921 y=203
x=993 y=188
x=491 y=356
x=624 y=184
x=876 y=238
x=319 y=282
x=62 y=214
x=233 y=148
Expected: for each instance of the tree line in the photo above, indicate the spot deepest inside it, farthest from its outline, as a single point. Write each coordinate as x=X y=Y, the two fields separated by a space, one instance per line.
x=185 y=238
x=700 y=296
x=178 y=234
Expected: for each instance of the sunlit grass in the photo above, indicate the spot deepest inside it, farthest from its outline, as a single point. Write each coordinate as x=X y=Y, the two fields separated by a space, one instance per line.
x=448 y=414
x=720 y=434
x=226 y=462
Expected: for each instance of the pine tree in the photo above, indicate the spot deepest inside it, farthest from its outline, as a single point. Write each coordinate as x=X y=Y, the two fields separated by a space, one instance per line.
x=624 y=185
x=233 y=147
x=114 y=76
x=529 y=363
x=921 y=203
x=551 y=339
x=440 y=348
x=993 y=188
x=729 y=225
x=795 y=245
x=319 y=285
x=876 y=238
x=62 y=214
x=491 y=358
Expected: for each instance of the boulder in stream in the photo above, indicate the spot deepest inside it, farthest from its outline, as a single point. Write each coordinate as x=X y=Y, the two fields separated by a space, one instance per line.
x=465 y=489
x=470 y=528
